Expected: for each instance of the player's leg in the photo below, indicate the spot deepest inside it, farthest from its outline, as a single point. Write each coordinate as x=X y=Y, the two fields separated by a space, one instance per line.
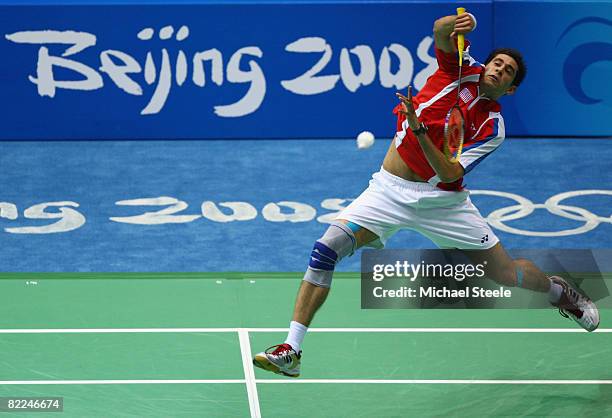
x=317 y=280
x=340 y=239
x=371 y=219
x=511 y=273
x=524 y=273
x=462 y=226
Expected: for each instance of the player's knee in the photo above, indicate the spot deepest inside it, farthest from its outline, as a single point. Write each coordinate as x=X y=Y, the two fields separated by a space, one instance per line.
x=337 y=242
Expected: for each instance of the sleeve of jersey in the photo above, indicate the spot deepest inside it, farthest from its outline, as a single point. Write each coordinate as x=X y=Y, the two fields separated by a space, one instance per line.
x=487 y=139
x=401 y=125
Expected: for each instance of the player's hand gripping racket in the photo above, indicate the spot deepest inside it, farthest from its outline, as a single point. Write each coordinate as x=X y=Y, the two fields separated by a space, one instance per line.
x=454 y=126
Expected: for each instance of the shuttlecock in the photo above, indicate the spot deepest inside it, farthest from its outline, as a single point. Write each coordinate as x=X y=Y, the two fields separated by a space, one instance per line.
x=365 y=140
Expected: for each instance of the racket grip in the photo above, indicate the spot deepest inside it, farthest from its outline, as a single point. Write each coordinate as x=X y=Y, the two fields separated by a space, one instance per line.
x=460 y=39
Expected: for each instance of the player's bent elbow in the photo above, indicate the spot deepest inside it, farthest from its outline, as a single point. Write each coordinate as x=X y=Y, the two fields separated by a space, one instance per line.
x=440 y=24
x=436 y=27
x=440 y=37
x=444 y=26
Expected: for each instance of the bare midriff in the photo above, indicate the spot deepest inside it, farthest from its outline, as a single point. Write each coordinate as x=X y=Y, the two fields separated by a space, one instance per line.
x=394 y=164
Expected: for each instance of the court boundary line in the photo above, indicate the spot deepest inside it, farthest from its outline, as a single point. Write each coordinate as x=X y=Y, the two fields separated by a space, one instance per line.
x=249 y=373
x=306 y=381
x=122 y=382
x=255 y=330
x=441 y=381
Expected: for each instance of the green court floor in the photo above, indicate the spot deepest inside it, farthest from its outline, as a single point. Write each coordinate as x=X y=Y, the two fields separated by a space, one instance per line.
x=179 y=345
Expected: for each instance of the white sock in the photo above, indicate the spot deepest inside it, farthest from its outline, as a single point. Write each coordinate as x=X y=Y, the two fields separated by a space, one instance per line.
x=555 y=291
x=296 y=335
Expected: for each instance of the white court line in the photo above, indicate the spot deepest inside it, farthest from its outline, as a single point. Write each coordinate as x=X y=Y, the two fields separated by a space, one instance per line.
x=111 y=330
x=119 y=382
x=190 y=330
x=294 y=381
x=249 y=374
x=433 y=330
x=443 y=382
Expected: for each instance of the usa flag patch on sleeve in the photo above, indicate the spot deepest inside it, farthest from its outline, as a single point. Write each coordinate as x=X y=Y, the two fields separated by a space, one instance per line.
x=466 y=95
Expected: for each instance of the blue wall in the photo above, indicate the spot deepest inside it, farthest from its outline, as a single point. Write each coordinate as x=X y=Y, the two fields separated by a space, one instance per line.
x=79 y=206
x=568 y=47
x=129 y=87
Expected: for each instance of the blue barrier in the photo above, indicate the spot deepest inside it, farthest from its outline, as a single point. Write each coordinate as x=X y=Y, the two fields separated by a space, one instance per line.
x=568 y=48
x=259 y=206
x=316 y=69
x=278 y=70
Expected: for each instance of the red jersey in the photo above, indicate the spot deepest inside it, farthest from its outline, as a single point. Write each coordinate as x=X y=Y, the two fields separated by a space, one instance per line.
x=484 y=125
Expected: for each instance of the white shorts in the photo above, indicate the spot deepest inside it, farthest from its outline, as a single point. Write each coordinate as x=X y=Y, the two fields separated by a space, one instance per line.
x=391 y=203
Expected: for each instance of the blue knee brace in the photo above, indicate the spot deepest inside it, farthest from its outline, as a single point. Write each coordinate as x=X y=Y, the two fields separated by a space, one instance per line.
x=337 y=242
x=322 y=257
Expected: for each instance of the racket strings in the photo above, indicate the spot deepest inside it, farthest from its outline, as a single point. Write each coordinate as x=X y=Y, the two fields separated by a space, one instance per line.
x=454 y=133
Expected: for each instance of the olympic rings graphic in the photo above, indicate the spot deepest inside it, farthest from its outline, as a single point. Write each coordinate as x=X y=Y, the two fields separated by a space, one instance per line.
x=526 y=207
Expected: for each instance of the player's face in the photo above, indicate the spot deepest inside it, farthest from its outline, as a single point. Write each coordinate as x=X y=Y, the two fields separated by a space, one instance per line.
x=499 y=74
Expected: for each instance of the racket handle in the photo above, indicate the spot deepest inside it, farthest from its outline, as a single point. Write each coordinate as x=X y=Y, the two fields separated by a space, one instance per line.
x=460 y=39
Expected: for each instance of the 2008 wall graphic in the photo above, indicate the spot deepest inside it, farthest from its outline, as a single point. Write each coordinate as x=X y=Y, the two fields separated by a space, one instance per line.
x=68 y=218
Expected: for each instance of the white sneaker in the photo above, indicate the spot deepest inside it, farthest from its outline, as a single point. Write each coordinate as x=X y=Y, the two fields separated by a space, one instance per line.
x=282 y=360
x=577 y=306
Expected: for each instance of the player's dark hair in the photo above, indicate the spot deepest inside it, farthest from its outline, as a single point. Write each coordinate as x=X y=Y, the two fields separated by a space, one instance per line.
x=517 y=56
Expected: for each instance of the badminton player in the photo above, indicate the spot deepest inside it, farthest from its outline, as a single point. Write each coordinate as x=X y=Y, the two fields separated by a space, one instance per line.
x=420 y=188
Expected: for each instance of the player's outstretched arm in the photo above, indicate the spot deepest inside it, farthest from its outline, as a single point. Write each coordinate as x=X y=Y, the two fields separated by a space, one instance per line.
x=447 y=27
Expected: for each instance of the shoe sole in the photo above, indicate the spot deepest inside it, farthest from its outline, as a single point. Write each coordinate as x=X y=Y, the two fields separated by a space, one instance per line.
x=585 y=328
x=590 y=329
x=263 y=363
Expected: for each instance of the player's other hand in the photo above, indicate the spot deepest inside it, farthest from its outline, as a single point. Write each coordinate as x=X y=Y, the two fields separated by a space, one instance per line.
x=463 y=24
x=408 y=109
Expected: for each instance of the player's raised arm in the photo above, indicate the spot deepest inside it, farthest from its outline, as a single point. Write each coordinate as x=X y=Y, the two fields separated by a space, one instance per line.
x=447 y=27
